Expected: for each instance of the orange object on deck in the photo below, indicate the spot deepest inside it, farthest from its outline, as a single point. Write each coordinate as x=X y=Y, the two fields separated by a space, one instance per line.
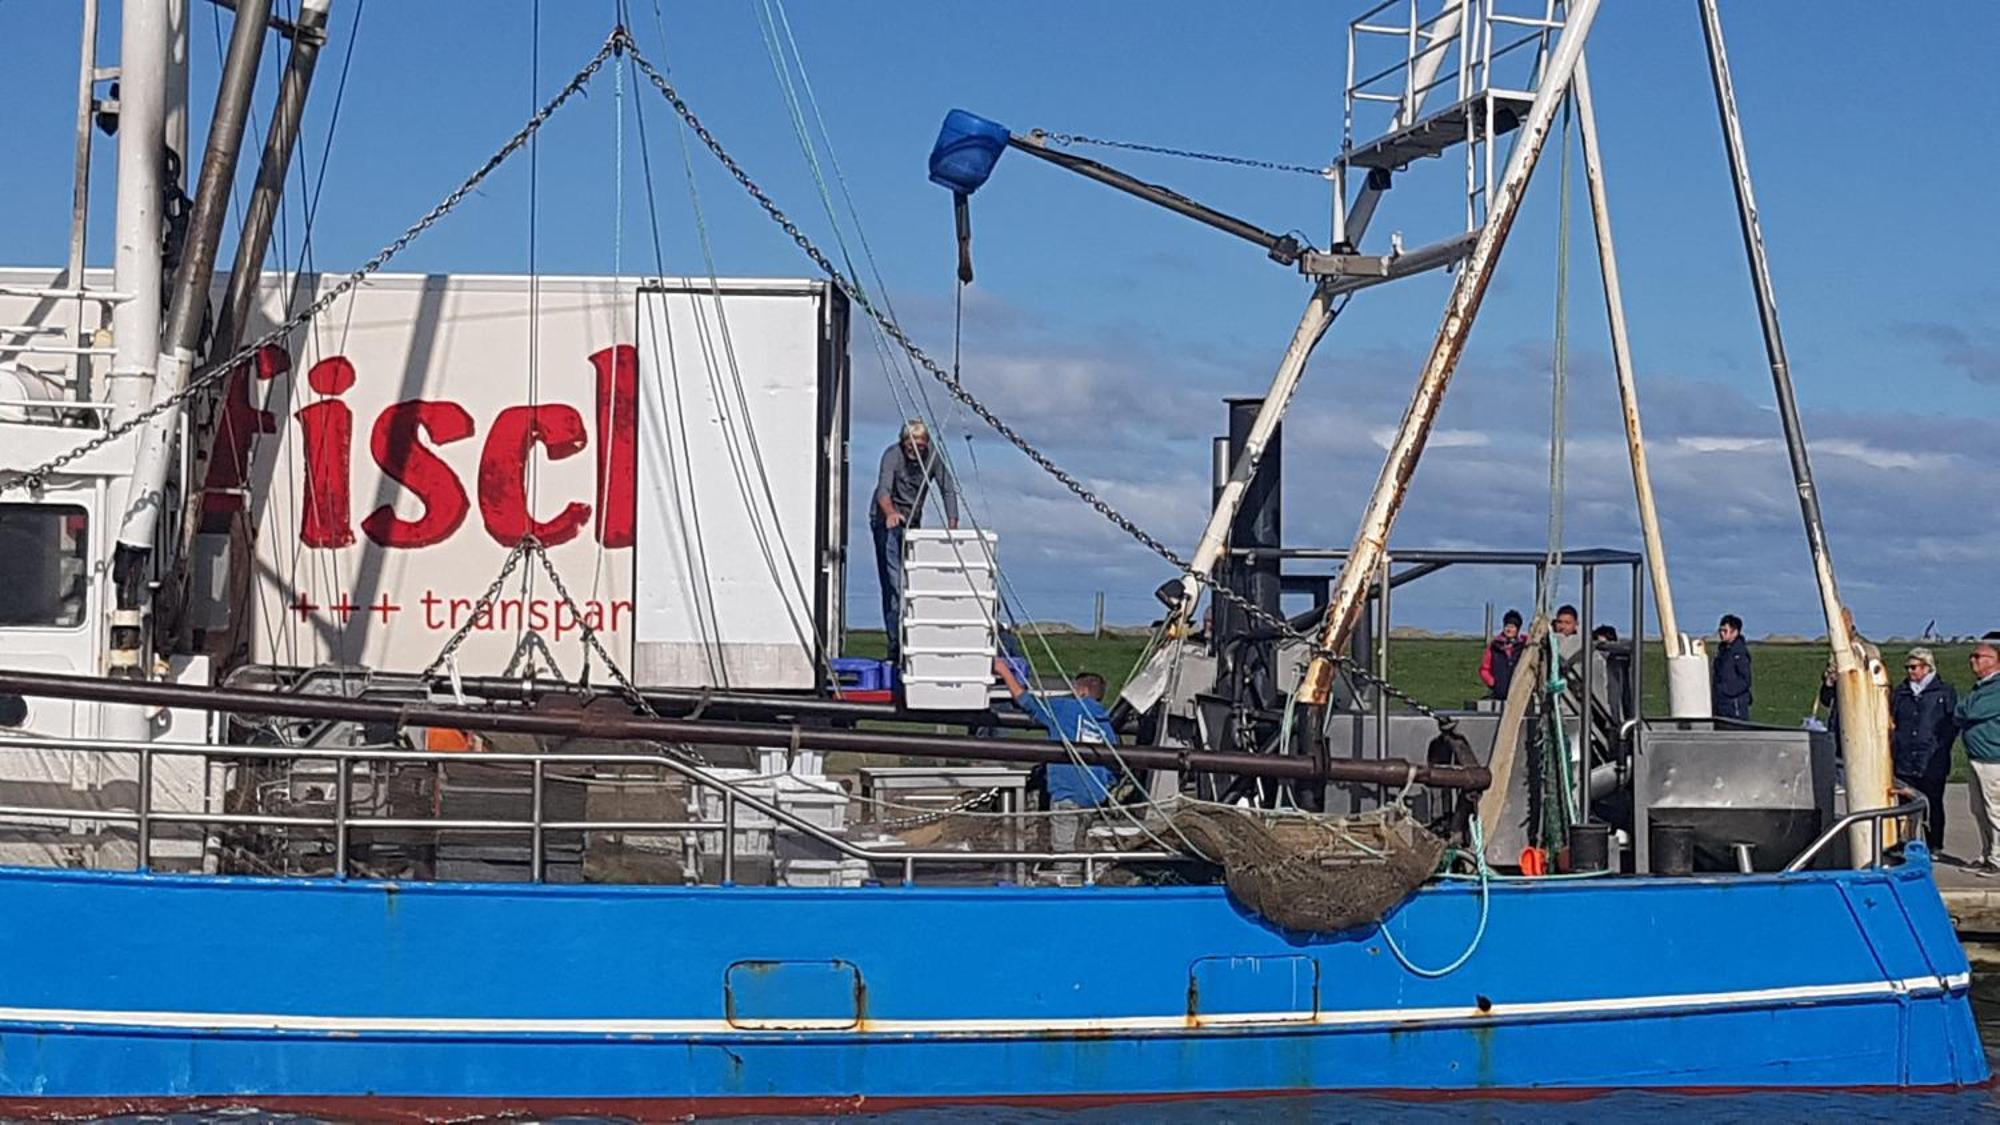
x=1534 y=861
x=448 y=739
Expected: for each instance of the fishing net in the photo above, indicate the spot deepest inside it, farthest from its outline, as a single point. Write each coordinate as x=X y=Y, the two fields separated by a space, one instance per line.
x=1314 y=874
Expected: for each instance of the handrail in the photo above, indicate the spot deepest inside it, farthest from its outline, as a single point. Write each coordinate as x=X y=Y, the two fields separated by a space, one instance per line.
x=1917 y=807
x=103 y=296
x=344 y=819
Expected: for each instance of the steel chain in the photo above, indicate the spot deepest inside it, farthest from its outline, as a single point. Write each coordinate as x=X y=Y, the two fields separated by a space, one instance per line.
x=529 y=545
x=631 y=691
x=590 y=639
x=211 y=373
x=919 y=820
x=482 y=607
x=957 y=390
x=1068 y=139
x=523 y=660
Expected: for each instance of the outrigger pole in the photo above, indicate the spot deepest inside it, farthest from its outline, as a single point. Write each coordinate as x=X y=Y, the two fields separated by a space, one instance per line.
x=308 y=35
x=1687 y=667
x=621 y=725
x=1861 y=685
x=1468 y=292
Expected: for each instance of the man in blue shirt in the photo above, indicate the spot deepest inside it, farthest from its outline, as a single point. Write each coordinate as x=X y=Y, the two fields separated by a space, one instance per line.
x=1080 y=720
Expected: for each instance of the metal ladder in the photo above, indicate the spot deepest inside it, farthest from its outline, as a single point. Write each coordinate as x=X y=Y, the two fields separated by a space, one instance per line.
x=1488 y=59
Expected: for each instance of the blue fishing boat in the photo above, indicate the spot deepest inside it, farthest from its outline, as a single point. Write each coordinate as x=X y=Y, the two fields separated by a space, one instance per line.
x=259 y=848
x=656 y=1001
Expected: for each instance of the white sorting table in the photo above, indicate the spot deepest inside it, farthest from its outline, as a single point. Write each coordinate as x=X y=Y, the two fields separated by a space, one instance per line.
x=886 y=782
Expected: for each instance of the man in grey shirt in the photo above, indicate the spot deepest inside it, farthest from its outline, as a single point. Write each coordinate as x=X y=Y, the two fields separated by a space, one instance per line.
x=911 y=468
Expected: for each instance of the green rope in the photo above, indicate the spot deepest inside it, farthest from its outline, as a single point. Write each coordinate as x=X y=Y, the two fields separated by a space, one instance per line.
x=1558 y=687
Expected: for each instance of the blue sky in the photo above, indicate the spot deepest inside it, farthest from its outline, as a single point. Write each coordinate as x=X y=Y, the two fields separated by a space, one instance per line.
x=1109 y=331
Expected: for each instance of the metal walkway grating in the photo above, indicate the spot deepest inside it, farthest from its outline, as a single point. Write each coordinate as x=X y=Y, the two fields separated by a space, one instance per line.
x=1436 y=133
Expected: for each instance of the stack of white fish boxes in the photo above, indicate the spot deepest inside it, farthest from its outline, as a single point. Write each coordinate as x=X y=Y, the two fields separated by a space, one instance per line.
x=951 y=594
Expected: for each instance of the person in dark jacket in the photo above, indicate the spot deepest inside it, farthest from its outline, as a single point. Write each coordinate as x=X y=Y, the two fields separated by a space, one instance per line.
x=1729 y=678
x=1921 y=709
x=1503 y=653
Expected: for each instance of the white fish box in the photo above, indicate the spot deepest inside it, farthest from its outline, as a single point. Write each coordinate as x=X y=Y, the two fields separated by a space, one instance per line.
x=823 y=872
x=945 y=695
x=926 y=637
x=968 y=666
x=753 y=827
x=818 y=807
x=966 y=581
x=938 y=546
x=781 y=764
x=947 y=609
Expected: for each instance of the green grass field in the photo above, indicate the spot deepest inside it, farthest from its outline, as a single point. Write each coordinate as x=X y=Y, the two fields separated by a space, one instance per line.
x=1445 y=672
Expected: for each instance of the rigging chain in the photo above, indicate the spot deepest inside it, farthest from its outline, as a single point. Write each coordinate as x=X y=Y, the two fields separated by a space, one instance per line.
x=211 y=373
x=483 y=609
x=1068 y=139
x=957 y=390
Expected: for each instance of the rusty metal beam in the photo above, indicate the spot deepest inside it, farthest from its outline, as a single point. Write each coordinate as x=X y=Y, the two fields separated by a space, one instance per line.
x=621 y=725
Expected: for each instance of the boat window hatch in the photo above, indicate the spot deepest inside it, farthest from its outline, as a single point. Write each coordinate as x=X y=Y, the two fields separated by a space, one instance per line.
x=1262 y=989
x=794 y=995
x=44 y=565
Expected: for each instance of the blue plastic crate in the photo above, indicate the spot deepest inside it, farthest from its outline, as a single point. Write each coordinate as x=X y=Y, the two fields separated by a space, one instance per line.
x=857 y=673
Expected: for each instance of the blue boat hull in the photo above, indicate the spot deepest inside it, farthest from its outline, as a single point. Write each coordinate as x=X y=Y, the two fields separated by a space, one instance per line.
x=138 y=990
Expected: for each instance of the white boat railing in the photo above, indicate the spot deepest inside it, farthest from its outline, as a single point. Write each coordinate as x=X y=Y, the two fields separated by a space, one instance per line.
x=344 y=820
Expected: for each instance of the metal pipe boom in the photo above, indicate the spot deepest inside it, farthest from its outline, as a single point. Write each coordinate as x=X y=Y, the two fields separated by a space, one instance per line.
x=1282 y=248
x=626 y=727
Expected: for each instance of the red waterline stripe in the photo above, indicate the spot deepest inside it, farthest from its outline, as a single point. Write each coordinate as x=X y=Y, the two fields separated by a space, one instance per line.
x=364 y=1108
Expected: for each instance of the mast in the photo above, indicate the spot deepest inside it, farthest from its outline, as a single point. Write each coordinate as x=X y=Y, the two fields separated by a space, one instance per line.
x=137 y=274
x=135 y=321
x=1468 y=292
x=1687 y=667
x=187 y=309
x=1860 y=690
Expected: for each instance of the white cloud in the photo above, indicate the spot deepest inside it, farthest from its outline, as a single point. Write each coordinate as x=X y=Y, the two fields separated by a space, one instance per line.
x=1135 y=421
x=1439 y=439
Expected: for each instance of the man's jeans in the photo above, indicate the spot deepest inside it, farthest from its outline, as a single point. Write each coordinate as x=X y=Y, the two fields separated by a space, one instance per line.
x=889 y=572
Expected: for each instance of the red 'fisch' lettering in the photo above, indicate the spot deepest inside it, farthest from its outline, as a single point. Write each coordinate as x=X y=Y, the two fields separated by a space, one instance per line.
x=403 y=443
